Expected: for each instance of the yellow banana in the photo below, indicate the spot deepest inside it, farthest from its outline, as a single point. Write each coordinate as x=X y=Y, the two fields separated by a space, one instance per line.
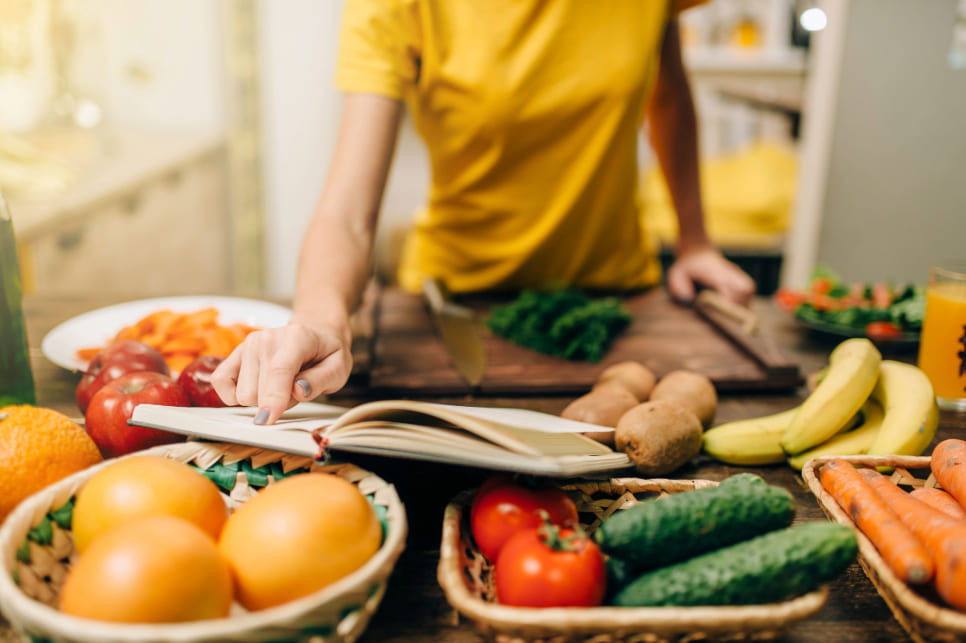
x=911 y=413
x=854 y=442
x=749 y=442
x=853 y=370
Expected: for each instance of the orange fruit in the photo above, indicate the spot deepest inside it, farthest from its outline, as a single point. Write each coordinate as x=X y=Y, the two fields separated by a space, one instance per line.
x=155 y=569
x=143 y=485
x=297 y=536
x=38 y=447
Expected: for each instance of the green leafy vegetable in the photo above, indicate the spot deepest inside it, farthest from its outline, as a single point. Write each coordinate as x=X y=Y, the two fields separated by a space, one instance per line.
x=909 y=309
x=563 y=323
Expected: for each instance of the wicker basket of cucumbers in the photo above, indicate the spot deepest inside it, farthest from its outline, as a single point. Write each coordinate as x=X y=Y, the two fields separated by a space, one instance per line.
x=683 y=560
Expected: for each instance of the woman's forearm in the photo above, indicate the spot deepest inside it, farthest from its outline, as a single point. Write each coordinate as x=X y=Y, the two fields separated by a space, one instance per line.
x=335 y=258
x=674 y=136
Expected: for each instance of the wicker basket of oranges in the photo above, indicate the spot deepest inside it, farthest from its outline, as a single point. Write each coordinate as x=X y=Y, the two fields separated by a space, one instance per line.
x=52 y=588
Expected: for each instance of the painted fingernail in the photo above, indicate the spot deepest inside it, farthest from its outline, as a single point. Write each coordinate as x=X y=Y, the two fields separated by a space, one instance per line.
x=305 y=386
x=262 y=416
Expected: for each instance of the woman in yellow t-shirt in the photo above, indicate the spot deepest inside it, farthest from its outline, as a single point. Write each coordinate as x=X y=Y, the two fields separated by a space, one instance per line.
x=530 y=111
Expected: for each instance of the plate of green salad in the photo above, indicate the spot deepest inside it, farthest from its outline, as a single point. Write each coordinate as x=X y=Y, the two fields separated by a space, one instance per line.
x=889 y=314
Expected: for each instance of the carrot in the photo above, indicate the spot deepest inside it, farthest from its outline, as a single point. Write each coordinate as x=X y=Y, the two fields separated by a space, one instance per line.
x=182 y=344
x=898 y=546
x=948 y=465
x=177 y=361
x=181 y=337
x=939 y=499
x=87 y=354
x=943 y=536
x=219 y=341
x=128 y=332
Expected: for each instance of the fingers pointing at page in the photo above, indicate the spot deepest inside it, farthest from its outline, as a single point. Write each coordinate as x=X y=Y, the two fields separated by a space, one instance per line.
x=275 y=368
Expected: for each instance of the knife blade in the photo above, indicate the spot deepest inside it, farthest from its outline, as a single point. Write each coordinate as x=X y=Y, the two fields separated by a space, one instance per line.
x=457 y=328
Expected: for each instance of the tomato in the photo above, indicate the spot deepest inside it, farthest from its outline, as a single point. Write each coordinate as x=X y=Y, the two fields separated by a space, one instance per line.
x=824 y=302
x=112 y=406
x=880 y=330
x=116 y=359
x=500 y=510
x=195 y=379
x=788 y=299
x=881 y=296
x=822 y=285
x=550 y=566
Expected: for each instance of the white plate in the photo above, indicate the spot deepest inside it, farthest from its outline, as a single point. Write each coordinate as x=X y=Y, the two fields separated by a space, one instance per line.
x=98 y=327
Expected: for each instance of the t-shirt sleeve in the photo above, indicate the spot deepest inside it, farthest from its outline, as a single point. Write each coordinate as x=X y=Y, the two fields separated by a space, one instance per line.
x=379 y=45
x=677 y=6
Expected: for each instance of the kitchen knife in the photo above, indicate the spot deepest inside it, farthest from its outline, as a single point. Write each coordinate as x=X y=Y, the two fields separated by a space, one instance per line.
x=458 y=330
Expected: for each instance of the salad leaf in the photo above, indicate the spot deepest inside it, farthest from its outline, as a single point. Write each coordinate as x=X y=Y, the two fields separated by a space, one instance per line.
x=829 y=300
x=908 y=312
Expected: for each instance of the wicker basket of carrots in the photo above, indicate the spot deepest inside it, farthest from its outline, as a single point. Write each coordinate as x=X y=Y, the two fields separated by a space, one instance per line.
x=911 y=531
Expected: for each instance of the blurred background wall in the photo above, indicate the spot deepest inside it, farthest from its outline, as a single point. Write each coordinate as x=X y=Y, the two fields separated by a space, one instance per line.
x=883 y=184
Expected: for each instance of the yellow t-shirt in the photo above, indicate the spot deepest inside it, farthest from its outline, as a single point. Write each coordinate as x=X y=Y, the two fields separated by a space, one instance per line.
x=530 y=110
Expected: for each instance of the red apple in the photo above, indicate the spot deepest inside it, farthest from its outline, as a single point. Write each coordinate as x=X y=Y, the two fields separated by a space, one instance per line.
x=116 y=359
x=195 y=379
x=112 y=406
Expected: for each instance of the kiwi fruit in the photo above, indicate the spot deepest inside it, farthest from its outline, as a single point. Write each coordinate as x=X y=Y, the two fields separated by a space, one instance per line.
x=602 y=406
x=631 y=375
x=659 y=436
x=692 y=389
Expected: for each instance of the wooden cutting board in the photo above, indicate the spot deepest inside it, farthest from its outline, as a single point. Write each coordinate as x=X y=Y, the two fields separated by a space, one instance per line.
x=404 y=355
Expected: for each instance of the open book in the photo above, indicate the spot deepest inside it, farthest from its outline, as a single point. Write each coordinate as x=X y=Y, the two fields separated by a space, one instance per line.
x=489 y=437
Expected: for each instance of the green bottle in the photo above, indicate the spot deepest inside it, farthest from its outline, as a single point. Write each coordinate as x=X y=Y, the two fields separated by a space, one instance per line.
x=16 y=378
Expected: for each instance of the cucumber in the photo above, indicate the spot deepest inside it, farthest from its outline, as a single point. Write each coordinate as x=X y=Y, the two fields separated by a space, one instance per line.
x=743 y=478
x=656 y=532
x=768 y=568
x=619 y=574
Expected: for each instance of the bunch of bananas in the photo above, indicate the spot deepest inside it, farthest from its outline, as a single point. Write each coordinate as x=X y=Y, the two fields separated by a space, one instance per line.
x=862 y=405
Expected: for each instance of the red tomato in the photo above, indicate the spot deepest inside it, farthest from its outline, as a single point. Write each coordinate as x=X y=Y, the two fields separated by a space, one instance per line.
x=550 y=567
x=824 y=302
x=880 y=330
x=821 y=285
x=112 y=406
x=788 y=299
x=501 y=510
x=881 y=296
x=195 y=379
x=116 y=359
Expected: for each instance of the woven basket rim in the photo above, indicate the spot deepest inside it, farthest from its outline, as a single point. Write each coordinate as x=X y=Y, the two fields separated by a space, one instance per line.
x=18 y=607
x=606 y=619
x=891 y=586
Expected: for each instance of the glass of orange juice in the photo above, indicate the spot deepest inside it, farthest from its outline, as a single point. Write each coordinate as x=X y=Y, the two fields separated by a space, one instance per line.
x=942 y=344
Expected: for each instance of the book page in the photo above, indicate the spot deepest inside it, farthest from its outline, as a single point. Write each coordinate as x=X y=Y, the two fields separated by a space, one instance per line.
x=498 y=459
x=292 y=433
x=377 y=431
x=537 y=433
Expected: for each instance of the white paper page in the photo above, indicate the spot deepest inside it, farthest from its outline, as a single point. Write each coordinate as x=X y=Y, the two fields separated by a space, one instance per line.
x=526 y=418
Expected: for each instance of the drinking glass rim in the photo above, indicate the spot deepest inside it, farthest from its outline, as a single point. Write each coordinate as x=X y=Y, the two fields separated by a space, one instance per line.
x=954 y=270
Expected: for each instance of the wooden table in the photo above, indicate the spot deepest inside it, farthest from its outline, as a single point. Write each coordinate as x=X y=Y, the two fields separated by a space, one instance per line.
x=415 y=609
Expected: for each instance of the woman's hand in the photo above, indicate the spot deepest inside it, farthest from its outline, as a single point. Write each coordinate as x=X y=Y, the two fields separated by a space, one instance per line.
x=275 y=368
x=708 y=267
